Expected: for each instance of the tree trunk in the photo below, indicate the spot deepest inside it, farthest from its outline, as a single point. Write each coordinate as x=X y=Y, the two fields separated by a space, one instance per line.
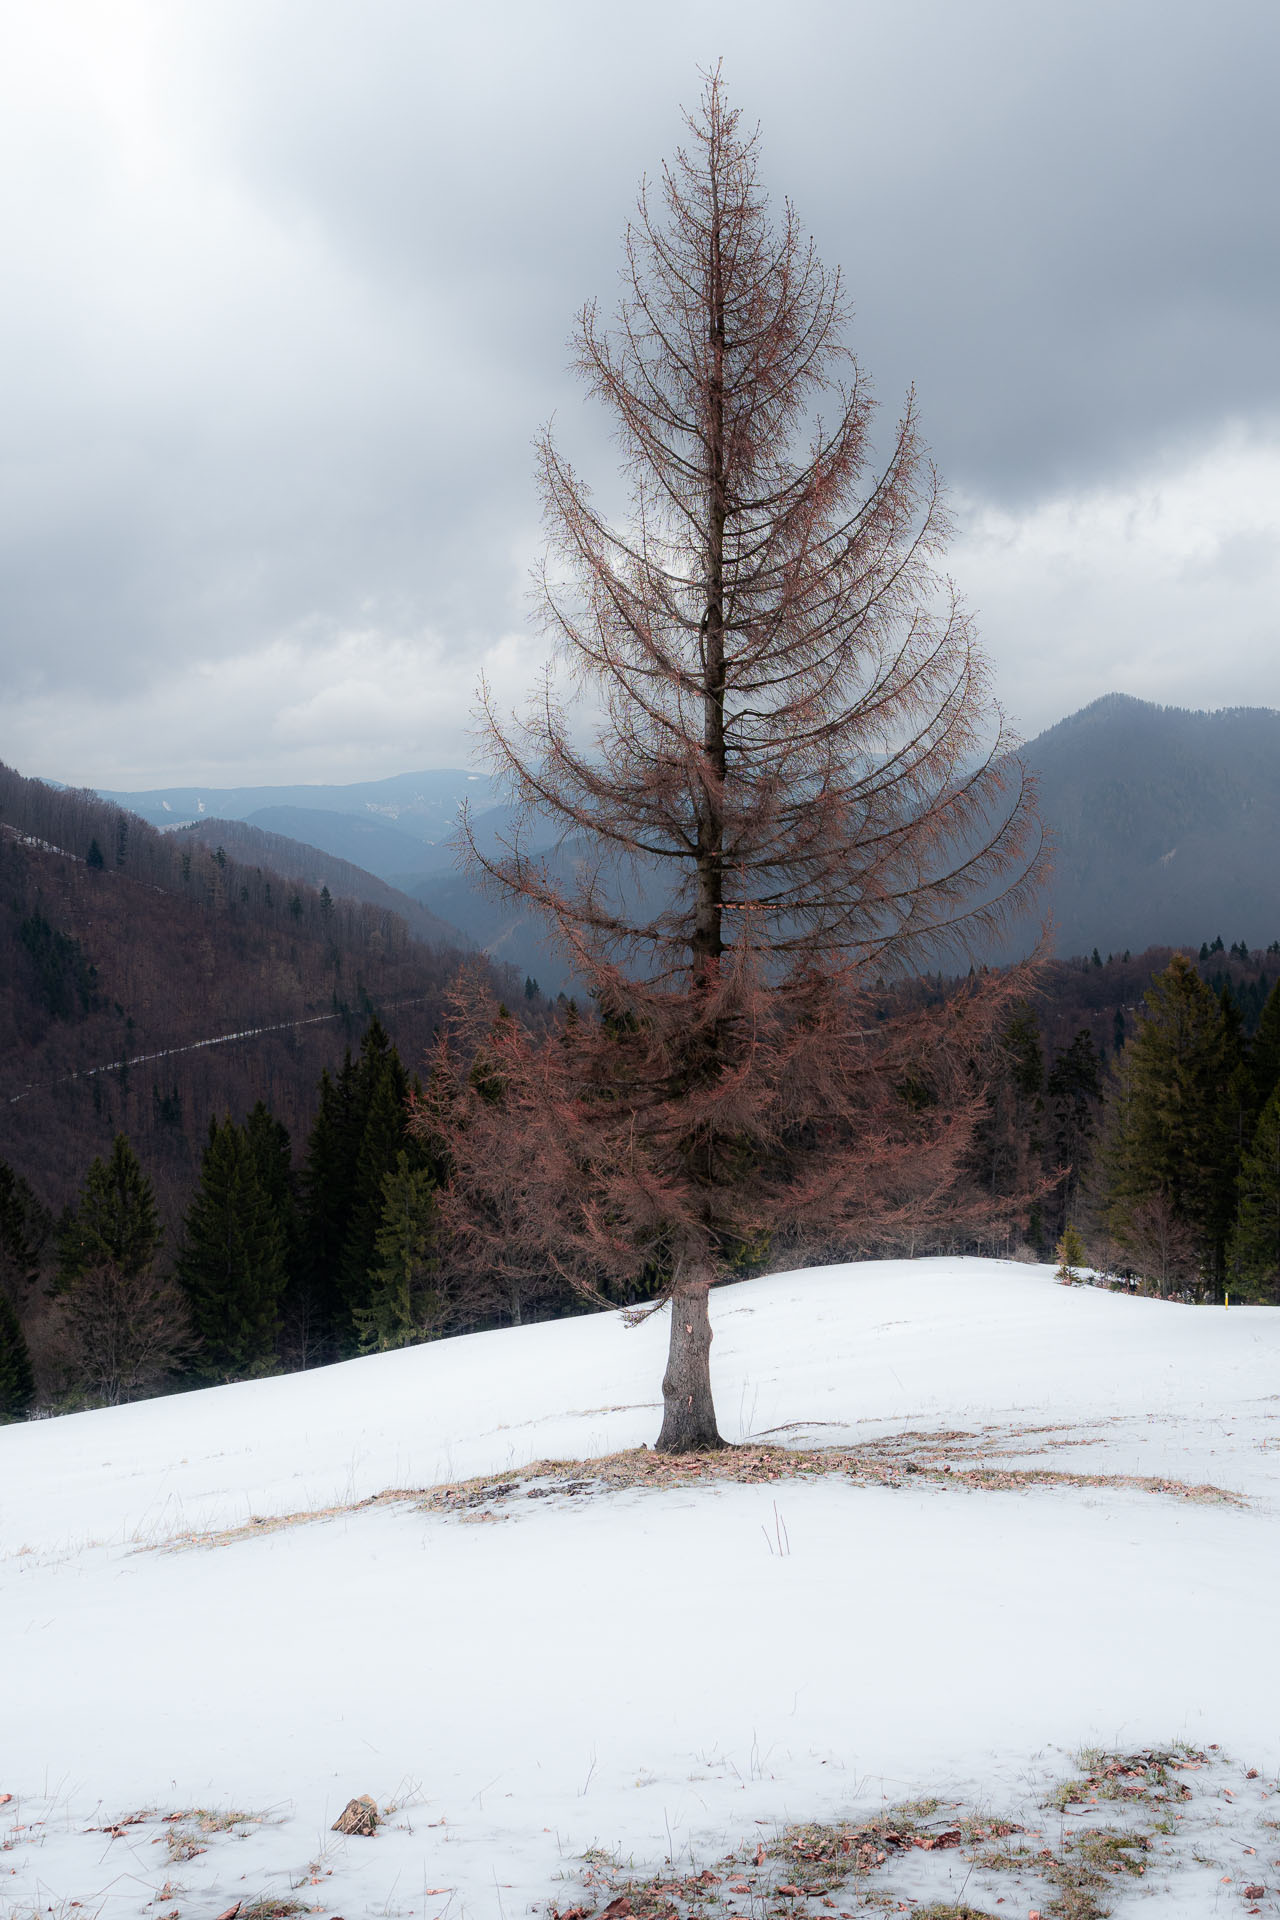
x=689 y=1415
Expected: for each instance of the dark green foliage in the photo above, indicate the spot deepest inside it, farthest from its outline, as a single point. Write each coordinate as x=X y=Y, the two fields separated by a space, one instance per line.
x=1073 y=1092
x=359 y=1131
x=17 y=1382
x=232 y=1261
x=405 y=1301
x=94 y=856
x=25 y=1229
x=328 y=1177
x=1264 y=1054
x=380 y=1114
x=1176 y=1136
x=116 y=1220
x=65 y=981
x=1254 y=1255
x=1070 y=1252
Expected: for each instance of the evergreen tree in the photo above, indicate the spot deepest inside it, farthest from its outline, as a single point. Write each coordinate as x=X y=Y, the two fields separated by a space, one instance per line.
x=1254 y=1255
x=381 y=1123
x=25 y=1228
x=1264 y=1053
x=406 y=1303
x=1174 y=1135
x=1073 y=1093
x=232 y=1261
x=116 y=1222
x=1070 y=1251
x=359 y=1129
x=17 y=1382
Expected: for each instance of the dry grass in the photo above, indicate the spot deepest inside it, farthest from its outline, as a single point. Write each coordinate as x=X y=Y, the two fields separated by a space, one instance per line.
x=852 y=1868
x=955 y=1460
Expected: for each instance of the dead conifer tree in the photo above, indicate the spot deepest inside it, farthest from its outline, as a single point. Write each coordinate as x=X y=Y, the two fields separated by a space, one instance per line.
x=797 y=782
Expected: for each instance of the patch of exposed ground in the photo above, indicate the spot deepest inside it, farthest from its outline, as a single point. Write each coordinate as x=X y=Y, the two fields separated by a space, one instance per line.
x=957 y=1460
x=1149 y=1822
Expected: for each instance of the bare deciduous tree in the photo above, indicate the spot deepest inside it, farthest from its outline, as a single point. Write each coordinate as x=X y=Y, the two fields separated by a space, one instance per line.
x=798 y=782
x=113 y=1334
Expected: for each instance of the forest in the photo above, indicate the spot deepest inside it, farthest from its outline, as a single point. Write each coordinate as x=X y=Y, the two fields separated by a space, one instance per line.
x=1150 y=1153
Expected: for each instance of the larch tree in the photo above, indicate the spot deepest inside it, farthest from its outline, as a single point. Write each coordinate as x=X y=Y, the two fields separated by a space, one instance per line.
x=795 y=782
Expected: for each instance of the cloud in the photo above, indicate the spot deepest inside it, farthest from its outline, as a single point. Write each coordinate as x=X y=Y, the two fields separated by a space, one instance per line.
x=1166 y=587
x=352 y=705
x=288 y=286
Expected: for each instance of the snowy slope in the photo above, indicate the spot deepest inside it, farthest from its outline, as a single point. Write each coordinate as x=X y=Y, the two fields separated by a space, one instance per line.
x=641 y=1670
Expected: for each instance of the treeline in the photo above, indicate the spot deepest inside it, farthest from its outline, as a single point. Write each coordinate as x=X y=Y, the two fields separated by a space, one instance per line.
x=1159 y=1157
x=276 y=1266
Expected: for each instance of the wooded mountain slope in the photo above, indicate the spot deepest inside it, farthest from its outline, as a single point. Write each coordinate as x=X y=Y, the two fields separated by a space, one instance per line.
x=1165 y=823
x=124 y=952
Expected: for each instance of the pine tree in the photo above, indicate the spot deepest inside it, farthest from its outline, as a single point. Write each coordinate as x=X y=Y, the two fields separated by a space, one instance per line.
x=406 y=1303
x=1174 y=1133
x=1254 y=1254
x=232 y=1261
x=17 y=1382
x=116 y=1220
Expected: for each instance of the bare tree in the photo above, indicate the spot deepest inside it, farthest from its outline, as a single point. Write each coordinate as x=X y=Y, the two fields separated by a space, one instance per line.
x=113 y=1334
x=797 y=781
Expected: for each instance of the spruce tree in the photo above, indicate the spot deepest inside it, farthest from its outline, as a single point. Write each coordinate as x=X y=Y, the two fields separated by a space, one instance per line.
x=406 y=1303
x=383 y=1090
x=359 y=1129
x=1174 y=1133
x=25 y=1228
x=115 y=1222
x=1254 y=1255
x=1264 y=1051
x=328 y=1178
x=17 y=1382
x=232 y=1261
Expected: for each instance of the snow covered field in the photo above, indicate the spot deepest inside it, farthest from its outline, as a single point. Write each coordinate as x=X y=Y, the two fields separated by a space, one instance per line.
x=660 y=1674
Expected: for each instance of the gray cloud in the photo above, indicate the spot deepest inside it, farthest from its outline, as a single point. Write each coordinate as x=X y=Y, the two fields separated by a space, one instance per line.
x=289 y=286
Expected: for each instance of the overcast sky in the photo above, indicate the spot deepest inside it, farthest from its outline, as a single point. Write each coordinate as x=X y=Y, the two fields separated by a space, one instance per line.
x=287 y=287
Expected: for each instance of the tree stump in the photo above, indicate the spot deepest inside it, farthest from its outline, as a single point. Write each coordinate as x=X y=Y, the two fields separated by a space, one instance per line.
x=358 y=1816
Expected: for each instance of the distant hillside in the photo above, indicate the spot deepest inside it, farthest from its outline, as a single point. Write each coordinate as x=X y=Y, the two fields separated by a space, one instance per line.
x=360 y=839
x=424 y=805
x=282 y=853
x=128 y=959
x=1166 y=825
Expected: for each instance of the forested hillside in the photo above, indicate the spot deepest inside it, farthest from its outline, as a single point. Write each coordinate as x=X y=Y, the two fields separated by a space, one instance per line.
x=125 y=952
x=1165 y=824
x=296 y=859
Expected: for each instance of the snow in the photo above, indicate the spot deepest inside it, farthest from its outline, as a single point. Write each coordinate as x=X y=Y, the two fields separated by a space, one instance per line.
x=660 y=1673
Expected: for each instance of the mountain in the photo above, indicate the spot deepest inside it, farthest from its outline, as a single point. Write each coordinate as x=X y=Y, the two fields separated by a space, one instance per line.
x=150 y=981
x=362 y=839
x=291 y=856
x=424 y=805
x=1165 y=823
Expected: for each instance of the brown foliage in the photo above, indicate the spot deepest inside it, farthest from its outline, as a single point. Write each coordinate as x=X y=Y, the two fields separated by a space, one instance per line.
x=798 y=780
x=111 y=1335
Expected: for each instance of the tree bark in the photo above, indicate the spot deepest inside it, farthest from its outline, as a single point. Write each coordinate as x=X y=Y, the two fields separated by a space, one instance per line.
x=689 y=1415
